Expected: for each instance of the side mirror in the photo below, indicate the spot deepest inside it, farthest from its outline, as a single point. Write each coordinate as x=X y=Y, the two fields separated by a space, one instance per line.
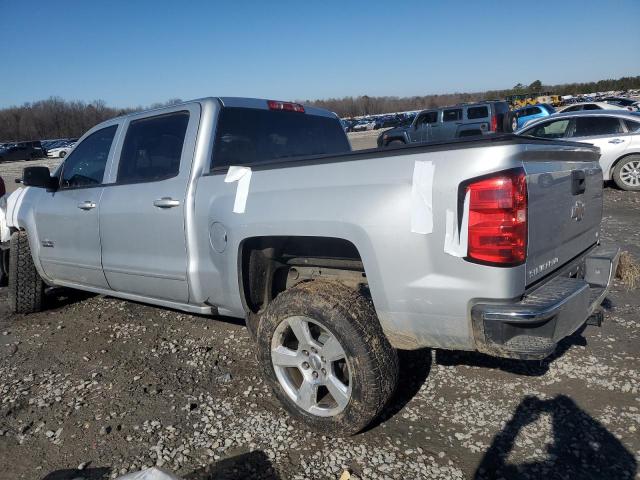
x=39 y=177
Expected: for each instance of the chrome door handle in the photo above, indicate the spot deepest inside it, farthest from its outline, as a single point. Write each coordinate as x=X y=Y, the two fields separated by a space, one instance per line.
x=166 y=202
x=616 y=140
x=88 y=205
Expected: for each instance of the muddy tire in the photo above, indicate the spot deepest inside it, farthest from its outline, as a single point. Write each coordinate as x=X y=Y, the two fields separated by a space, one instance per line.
x=4 y=265
x=626 y=173
x=26 y=288
x=321 y=348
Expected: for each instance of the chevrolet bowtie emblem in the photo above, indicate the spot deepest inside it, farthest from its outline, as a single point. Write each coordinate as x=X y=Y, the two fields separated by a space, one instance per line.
x=577 y=211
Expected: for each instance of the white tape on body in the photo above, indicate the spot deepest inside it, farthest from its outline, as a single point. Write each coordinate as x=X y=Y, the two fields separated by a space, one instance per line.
x=422 y=197
x=456 y=239
x=242 y=175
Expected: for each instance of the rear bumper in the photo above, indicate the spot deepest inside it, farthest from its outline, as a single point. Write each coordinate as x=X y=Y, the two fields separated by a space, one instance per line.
x=532 y=327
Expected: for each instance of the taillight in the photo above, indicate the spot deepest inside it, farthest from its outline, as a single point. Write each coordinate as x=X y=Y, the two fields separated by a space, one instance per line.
x=498 y=219
x=287 y=106
x=494 y=123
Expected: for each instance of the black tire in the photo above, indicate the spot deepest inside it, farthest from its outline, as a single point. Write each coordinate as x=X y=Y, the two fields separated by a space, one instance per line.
x=395 y=143
x=508 y=121
x=618 y=173
x=4 y=265
x=26 y=288
x=350 y=317
x=62 y=154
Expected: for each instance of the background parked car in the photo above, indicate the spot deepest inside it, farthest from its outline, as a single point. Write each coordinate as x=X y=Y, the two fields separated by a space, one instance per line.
x=447 y=123
x=22 y=151
x=592 y=106
x=616 y=133
x=364 y=124
x=522 y=116
x=630 y=103
x=60 y=151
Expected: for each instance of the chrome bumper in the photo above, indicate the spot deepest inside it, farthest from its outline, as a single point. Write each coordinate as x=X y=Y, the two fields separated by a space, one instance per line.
x=532 y=327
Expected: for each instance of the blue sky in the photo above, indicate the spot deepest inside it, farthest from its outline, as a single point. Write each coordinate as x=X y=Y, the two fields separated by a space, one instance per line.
x=133 y=53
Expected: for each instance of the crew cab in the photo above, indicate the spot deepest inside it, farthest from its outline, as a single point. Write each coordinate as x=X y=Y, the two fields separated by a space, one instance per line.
x=258 y=209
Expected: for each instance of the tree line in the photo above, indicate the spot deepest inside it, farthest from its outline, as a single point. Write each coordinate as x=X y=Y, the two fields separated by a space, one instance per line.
x=366 y=105
x=58 y=118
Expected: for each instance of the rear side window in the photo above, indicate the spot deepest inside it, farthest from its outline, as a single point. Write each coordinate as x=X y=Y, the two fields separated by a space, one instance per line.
x=591 y=126
x=84 y=167
x=452 y=115
x=591 y=106
x=575 y=108
x=477 y=112
x=633 y=126
x=249 y=135
x=152 y=148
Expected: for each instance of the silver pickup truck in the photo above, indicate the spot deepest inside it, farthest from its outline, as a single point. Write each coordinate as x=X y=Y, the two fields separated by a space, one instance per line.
x=258 y=209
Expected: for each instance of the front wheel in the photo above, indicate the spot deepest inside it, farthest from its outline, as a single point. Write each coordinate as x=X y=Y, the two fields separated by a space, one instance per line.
x=626 y=173
x=395 y=143
x=324 y=353
x=26 y=288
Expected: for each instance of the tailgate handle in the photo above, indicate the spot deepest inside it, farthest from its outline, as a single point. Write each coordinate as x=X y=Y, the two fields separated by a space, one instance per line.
x=578 y=182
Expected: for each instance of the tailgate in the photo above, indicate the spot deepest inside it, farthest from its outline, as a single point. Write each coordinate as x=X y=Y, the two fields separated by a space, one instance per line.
x=564 y=206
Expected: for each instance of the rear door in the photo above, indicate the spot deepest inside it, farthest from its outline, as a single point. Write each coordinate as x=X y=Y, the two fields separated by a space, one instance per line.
x=451 y=121
x=142 y=214
x=607 y=133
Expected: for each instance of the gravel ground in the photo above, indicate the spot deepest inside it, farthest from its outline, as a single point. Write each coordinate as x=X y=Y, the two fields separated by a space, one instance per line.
x=95 y=387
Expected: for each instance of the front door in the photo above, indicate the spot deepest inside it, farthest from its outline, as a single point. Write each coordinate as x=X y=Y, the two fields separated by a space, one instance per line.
x=142 y=215
x=603 y=132
x=67 y=219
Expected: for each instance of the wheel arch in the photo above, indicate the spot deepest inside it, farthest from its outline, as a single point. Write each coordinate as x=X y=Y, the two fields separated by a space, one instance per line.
x=268 y=265
x=617 y=161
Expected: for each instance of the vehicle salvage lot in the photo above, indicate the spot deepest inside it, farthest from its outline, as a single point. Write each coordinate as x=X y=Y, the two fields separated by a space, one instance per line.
x=114 y=386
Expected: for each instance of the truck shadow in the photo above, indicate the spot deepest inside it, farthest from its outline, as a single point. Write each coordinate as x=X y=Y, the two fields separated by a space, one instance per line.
x=415 y=366
x=531 y=368
x=75 y=474
x=581 y=447
x=249 y=465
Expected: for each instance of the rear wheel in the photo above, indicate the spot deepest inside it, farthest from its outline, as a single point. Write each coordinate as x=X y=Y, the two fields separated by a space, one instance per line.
x=26 y=288
x=395 y=143
x=626 y=173
x=323 y=351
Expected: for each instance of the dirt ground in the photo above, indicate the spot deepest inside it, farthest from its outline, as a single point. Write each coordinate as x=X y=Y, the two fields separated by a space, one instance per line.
x=95 y=387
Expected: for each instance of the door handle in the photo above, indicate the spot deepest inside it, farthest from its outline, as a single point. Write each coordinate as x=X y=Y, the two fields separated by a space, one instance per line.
x=616 y=140
x=166 y=202
x=88 y=205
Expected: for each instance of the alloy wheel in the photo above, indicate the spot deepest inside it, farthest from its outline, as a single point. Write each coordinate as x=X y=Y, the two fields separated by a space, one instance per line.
x=311 y=366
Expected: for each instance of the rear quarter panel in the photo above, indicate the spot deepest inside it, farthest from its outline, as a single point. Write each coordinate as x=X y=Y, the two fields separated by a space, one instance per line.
x=422 y=295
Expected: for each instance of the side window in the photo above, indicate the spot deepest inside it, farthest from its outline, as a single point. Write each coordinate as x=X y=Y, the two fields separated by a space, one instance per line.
x=555 y=129
x=477 y=112
x=633 y=127
x=452 y=115
x=575 y=108
x=85 y=165
x=152 y=148
x=427 y=118
x=591 y=106
x=535 y=111
x=592 y=126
